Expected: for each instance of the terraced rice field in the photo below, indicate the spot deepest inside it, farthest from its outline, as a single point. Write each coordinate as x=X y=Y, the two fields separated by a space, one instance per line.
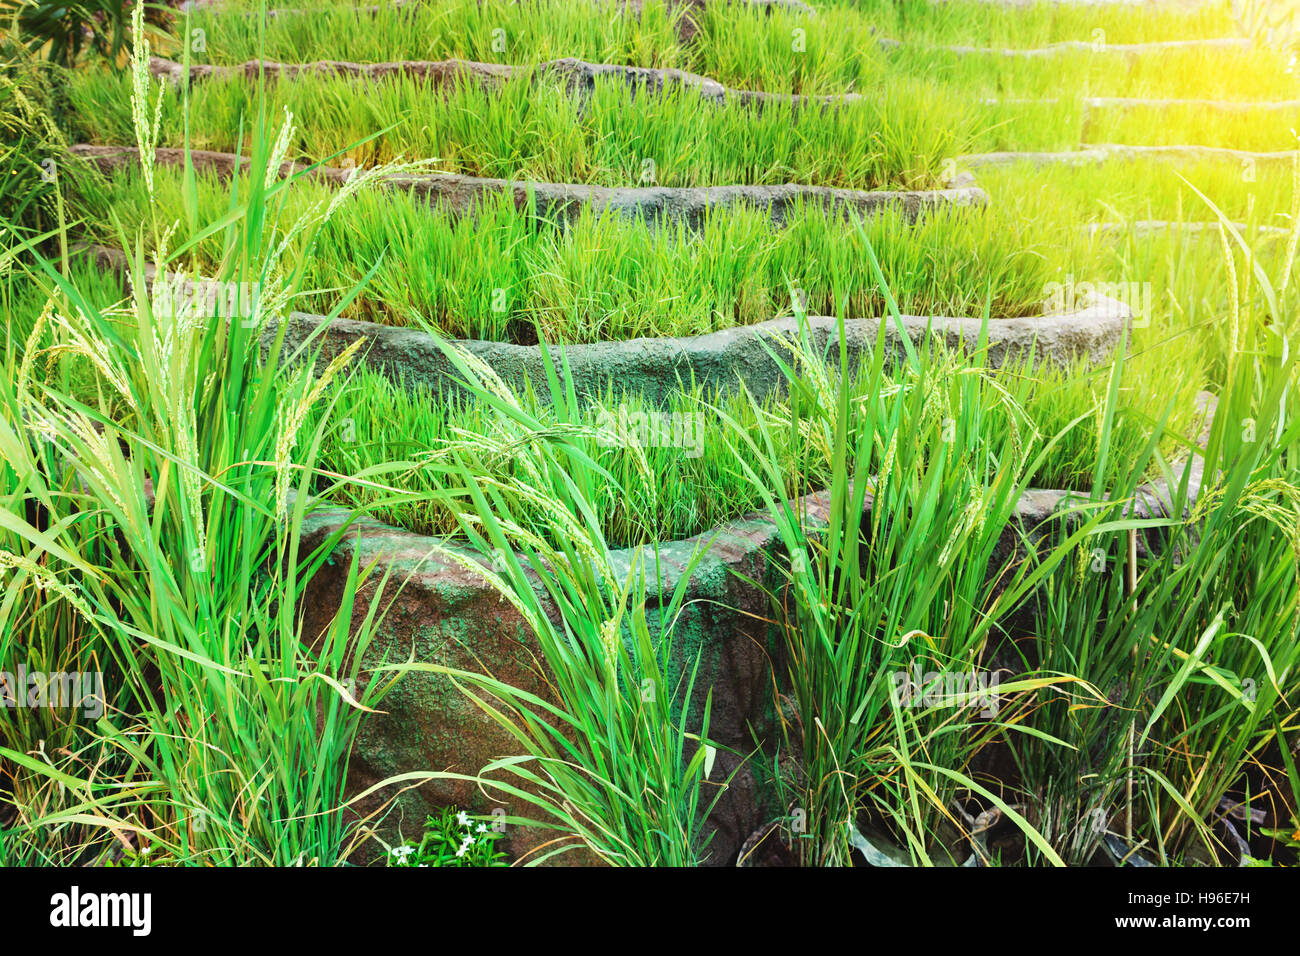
x=681 y=398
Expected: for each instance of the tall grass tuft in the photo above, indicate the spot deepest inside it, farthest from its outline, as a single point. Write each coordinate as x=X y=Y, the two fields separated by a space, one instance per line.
x=1192 y=637
x=891 y=572
x=614 y=756
x=151 y=533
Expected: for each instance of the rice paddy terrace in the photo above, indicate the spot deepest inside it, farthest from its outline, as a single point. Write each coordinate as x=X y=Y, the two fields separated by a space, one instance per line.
x=679 y=372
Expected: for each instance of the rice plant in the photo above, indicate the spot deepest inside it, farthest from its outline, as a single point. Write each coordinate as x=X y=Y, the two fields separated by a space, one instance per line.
x=1193 y=675
x=496 y=275
x=615 y=755
x=152 y=537
x=534 y=127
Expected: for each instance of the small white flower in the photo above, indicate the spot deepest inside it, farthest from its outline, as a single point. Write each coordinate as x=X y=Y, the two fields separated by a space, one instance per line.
x=462 y=818
x=481 y=828
x=402 y=852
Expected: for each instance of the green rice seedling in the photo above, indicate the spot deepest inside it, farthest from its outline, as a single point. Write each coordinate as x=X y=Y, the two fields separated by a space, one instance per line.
x=45 y=630
x=833 y=52
x=1191 y=294
x=602 y=276
x=381 y=434
x=156 y=472
x=679 y=484
x=22 y=301
x=1167 y=644
x=497 y=31
x=897 y=135
x=1079 y=758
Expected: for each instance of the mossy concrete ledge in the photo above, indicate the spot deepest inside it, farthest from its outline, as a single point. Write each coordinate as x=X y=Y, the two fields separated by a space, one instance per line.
x=566 y=201
x=658 y=367
x=444 y=612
